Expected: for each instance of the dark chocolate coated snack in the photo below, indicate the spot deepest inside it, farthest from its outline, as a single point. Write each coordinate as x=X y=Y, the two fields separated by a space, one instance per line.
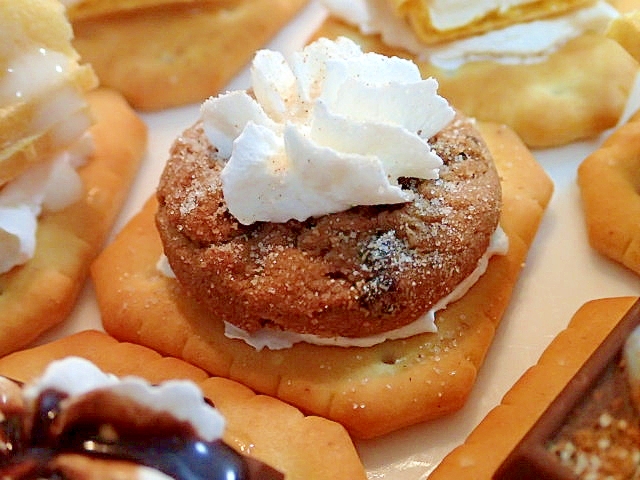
x=55 y=440
x=591 y=429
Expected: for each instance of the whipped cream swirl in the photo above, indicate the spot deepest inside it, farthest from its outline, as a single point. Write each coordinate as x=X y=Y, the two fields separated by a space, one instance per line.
x=332 y=129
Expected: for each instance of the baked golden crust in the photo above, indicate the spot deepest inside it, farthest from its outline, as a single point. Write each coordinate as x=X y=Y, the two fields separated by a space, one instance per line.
x=356 y=273
x=263 y=427
x=609 y=181
x=523 y=404
x=175 y=53
x=41 y=293
x=372 y=391
x=578 y=92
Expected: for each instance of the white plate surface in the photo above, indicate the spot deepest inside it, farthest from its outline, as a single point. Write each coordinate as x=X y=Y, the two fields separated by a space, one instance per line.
x=561 y=273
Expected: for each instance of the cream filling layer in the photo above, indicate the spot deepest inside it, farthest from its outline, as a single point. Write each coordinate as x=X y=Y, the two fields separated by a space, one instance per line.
x=41 y=93
x=277 y=340
x=47 y=186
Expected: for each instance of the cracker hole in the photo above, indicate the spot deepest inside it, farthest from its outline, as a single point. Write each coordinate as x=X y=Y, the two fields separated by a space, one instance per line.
x=390 y=359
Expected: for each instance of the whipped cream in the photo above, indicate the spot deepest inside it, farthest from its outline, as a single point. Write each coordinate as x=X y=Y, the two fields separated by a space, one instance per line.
x=523 y=43
x=47 y=186
x=182 y=399
x=277 y=340
x=332 y=129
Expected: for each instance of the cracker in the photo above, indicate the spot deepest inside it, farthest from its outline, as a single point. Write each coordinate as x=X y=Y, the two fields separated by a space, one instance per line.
x=302 y=447
x=580 y=91
x=626 y=31
x=179 y=53
x=506 y=424
x=94 y=8
x=41 y=293
x=609 y=181
x=371 y=391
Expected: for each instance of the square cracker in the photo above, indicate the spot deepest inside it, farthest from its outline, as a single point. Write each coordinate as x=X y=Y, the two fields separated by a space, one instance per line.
x=371 y=391
x=522 y=405
x=176 y=53
x=263 y=427
x=609 y=182
x=578 y=92
x=41 y=293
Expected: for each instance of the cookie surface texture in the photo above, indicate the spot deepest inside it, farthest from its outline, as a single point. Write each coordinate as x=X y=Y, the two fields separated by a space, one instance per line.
x=371 y=391
x=276 y=433
x=580 y=91
x=355 y=273
x=41 y=293
x=608 y=181
x=173 y=54
x=522 y=405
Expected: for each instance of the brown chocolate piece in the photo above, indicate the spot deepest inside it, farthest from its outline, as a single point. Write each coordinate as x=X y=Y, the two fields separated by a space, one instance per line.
x=533 y=458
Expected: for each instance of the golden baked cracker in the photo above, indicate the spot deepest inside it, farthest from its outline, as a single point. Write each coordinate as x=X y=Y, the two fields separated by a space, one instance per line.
x=178 y=53
x=506 y=424
x=40 y=294
x=302 y=447
x=579 y=91
x=625 y=6
x=609 y=181
x=625 y=30
x=371 y=391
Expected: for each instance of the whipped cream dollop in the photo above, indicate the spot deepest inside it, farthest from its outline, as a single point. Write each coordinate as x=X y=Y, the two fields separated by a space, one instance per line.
x=522 y=43
x=182 y=399
x=47 y=186
x=332 y=129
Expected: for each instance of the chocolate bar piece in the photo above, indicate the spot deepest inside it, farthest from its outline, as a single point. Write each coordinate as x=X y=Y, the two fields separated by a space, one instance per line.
x=591 y=426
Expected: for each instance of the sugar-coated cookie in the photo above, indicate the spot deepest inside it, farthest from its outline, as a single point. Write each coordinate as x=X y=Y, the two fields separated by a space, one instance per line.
x=390 y=264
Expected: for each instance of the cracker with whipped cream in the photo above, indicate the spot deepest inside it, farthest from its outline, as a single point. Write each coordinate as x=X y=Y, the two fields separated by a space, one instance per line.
x=613 y=170
x=553 y=80
x=128 y=399
x=41 y=292
x=162 y=54
x=68 y=155
x=374 y=389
